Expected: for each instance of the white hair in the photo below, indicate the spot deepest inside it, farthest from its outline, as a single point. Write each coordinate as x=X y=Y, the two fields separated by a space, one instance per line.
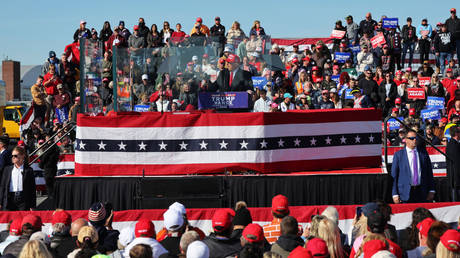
x=383 y=254
x=332 y=214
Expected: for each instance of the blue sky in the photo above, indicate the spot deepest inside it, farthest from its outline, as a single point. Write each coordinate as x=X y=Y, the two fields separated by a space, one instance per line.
x=31 y=28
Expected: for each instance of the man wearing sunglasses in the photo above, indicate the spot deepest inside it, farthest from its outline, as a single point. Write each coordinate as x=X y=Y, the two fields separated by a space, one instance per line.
x=412 y=173
x=453 y=26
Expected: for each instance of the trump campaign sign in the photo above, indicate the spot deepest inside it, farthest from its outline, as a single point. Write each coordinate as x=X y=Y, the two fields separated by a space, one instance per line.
x=424 y=80
x=338 y=34
x=341 y=57
x=378 y=40
x=390 y=23
x=259 y=82
x=435 y=102
x=415 y=93
x=430 y=114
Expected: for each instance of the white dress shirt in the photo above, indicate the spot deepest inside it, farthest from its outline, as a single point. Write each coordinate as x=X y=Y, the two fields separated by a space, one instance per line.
x=16 y=179
x=262 y=105
x=410 y=157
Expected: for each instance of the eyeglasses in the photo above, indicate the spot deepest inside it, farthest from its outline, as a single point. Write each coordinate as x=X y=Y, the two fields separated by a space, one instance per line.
x=411 y=138
x=15 y=156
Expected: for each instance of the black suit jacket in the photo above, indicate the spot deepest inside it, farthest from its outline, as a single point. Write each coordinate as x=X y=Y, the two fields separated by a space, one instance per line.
x=242 y=81
x=453 y=163
x=28 y=186
x=5 y=160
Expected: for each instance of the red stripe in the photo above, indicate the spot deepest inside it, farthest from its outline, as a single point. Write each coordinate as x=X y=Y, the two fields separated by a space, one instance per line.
x=66 y=158
x=27 y=115
x=301 y=41
x=156 y=119
x=430 y=150
x=301 y=213
x=182 y=169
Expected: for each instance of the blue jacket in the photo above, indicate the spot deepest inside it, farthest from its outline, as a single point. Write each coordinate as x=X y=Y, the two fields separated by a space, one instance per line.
x=401 y=173
x=421 y=28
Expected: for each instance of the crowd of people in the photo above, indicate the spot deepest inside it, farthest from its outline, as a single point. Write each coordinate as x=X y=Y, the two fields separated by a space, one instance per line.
x=233 y=234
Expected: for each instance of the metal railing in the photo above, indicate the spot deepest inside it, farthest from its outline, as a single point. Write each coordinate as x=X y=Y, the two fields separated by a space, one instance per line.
x=385 y=142
x=69 y=127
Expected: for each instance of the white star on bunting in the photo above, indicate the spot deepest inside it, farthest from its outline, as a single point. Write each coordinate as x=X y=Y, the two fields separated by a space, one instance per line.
x=343 y=140
x=357 y=139
x=162 y=145
x=281 y=143
x=142 y=146
x=183 y=146
x=203 y=145
x=82 y=145
x=297 y=142
x=223 y=145
x=263 y=144
x=102 y=145
x=122 y=146
x=371 y=138
x=328 y=140
x=313 y=141
x=244 y=145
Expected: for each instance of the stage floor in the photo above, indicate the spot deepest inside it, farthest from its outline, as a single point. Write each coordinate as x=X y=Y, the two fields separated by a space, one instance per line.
x=213 y=191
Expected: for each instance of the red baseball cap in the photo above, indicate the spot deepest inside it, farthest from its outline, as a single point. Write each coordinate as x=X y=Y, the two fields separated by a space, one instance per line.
x=451 y=240
x=453 y=10
x=444 y=120
x=280 y=204
x=295 y=60
x=395 y=110
x=317 y=247
x=61 y=217
x=424 y=226
x=222 y=219
x=398 y=72
x=315 y=68
x=33 y=220
x=300 y=252
x=458 y=78
x=144 y=228
x=16 y=227
x=412 y=111
x=335 y=67
x=306 y=59
x=199 y=19
x=205 y=56
x=232 y=58
x=343 y=45
x=398 y=101
x=372 y=247
x=449 y=70
x=21 y=143
x=136 y=27
x=253 y=233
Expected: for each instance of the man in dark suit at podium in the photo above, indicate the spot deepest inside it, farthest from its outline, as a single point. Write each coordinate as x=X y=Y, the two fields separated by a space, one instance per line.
x=412 y=173
x=233 y=79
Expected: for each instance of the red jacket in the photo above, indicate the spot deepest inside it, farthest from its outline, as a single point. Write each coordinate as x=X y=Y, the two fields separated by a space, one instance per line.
x=121 y=42
x=51 y=87
x=74 y=50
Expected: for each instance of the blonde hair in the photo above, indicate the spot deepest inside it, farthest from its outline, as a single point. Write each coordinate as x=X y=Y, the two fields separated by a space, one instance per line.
x=35 y=249
x=331 y=213
x=314 y=225
x=329 y=232
x=442 y=251
x=362 y=226
x=369 y=237
x=236 y=23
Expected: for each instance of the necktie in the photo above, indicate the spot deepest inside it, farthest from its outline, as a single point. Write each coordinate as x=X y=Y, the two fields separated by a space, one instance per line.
x=230 y=81
x=415 y=166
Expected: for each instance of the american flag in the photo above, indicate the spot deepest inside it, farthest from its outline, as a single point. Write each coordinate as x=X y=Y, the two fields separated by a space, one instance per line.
x=197 y=143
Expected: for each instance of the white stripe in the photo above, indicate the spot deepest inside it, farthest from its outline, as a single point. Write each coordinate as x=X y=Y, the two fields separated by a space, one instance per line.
x=216 y=157
x=66 y=165
x=28 y=123
x=227 y=132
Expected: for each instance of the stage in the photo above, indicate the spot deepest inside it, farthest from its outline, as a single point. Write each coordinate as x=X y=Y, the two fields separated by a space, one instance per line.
x=78 y=193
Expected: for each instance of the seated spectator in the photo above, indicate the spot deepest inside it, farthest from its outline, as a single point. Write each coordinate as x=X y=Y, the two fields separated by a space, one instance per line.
x=365 y=58
x=289 y=238
x=35 y=249
x=328 y=83
x=325 y=101
x=219 y=242
x=52 y=60
x=430 y=135
x=287 y=104
x=30 y=224
x=15 y=232
x=263 y=103
x=61 y=104
x=145 y=234
x=187 y=97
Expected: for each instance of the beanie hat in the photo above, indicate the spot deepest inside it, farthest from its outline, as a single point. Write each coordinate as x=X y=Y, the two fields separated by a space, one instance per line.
x=242 y=217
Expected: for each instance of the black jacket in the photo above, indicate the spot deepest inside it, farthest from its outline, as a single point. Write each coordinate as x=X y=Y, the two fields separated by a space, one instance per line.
x=62 y=244
x=453 y=163
x=217 y=33
x=28 y=185
x=370 y=89
x=453 y=26
x=15 y=248
x=242 y=81
x=408 y=34
x=107 y=239
x=172 y=245
x=81 y=33
x=5 y=160
x=444 y=42
x=367 y=26
x=392 y=94
x=221 y=248
x=49 y=160
x=288 y=243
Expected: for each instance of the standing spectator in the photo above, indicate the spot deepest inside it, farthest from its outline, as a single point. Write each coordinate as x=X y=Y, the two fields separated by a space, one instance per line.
x=325 y=101
x=81 y=32
x=453 y=162
x=123 y=31
x=136 y=43
x=394 y=42
x=387 y=60
x=61 y=104
x=280 y=209
x=287 y=104
x=360 y=100
x=154 y=37
x=235 y=35
x=217 y=33
x=166 y=33
x=105 y=32
x=257 y=30
x=444 y=45
x=115 y=40
x=338 y=26
x=145 y=234
x=289 y=238
x=352 y=31
x=143 y=30
x=201 y=27
x=367 y=25
x=178 y=36
x=39 y=98
x=30 y=224
x=98 y=217
x=430 y=135
x=107 y=66
x=424 y=34
x=62 y=242
x=50 y=81
x=453 y=26
x=450 y=83
x=17 y=187
x=369 y=86
x=412 y=173
x=48 y=162
x=409 y=37
x=174 y=223
x=5 y=154
x=219 y=242
x=263 y=103
x=365 y=59
x=52 y=60
x=387 y=92
x=436 y=89
x=241 y=50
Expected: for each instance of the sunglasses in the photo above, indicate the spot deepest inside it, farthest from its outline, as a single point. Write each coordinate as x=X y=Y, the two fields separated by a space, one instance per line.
x=411 y=138
x=15 y=156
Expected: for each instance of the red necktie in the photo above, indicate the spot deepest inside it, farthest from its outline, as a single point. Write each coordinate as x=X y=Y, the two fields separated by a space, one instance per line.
x=231 y=79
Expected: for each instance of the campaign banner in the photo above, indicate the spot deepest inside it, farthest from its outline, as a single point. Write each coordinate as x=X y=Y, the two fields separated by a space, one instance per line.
x=141 y=108
x=430 y=114
x=378 y=40
x=393 y=124
x=222 y=100
x=341 y=57
x=348 y=94
x=355 y=49
x=415 y=93
x=435 y=102
x=390 y=23
x=338 y=34
x=62 y=114
x=259 y=82
x=423 y=80
x=336 y=78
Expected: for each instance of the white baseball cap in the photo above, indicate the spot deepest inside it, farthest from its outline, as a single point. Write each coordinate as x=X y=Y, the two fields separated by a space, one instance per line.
x=126 y=236
x=173 y=220
x=178 y=207
x=145 y=77
x=197 y=249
